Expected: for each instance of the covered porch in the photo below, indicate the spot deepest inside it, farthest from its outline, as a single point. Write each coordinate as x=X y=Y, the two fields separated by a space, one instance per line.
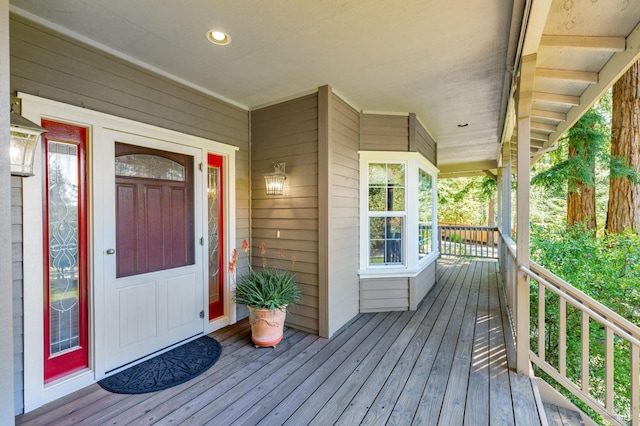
x=450 y=362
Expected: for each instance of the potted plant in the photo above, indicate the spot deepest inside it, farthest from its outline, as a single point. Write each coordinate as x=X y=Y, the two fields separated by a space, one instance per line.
x=267 y=292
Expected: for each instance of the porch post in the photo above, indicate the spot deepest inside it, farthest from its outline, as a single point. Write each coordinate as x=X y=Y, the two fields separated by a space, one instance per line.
x=524 y=105
x=505 y=191
x=6 y=281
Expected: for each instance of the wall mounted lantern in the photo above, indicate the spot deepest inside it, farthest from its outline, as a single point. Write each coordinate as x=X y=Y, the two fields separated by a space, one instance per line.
x=24 y=140
x=275 y=180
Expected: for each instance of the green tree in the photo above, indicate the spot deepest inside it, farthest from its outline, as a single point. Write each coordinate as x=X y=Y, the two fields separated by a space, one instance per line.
x=585 y=142
x=623 y=211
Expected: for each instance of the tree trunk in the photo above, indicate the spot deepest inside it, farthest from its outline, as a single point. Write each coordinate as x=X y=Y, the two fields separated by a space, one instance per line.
x=492 y=211
x=581 y=203
x=623 y=210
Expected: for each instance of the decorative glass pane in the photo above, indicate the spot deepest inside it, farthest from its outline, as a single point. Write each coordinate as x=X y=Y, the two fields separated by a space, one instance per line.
x=149 y=166
x=425 y=213
x=385 y=241
x=213 y=203
x=64 y=320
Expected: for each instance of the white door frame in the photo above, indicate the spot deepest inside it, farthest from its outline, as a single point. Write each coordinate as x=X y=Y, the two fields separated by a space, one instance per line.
x=35 y=108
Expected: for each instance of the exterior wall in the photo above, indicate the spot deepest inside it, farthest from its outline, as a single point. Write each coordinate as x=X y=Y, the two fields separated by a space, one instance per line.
x=289 y=132
x=384 y=294
x=18 y=323
x=421 y=141
x=384 y=132
x=344 y=214
x=53 y=66
x=419 y=286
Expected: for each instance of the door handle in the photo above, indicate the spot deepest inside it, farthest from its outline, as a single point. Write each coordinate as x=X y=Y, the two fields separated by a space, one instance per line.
x=110 y=251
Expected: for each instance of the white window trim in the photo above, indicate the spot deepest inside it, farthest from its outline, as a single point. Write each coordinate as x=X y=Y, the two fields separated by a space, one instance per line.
x=412 y=264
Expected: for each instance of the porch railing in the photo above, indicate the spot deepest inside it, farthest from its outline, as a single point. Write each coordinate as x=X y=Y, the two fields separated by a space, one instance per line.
x=472 y=241
x=607 y=341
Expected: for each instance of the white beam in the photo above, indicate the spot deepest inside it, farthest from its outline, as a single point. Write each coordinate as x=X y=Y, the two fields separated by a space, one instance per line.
x=545 y=127
x=556 y=98
x=536 y=22
x=568 y=75
x=549 y=115
x=603 y=44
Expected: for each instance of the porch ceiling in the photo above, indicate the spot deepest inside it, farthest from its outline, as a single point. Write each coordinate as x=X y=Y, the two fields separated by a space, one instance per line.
x=444 y=60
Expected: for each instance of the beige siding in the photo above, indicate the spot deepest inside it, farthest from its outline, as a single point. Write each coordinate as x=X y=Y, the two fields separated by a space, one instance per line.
x=16 y=266
x=344 y=220
x=421 y=141
x=384 y=294
x=289 y=132
x=384 y=132
x=419 y=286
x=53 y=66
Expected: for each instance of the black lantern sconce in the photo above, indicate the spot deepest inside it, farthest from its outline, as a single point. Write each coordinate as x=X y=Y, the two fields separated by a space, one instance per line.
x=24 y=140
x=275 y=180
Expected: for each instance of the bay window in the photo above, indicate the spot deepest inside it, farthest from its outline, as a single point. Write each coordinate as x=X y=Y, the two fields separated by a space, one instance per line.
x=398 y=193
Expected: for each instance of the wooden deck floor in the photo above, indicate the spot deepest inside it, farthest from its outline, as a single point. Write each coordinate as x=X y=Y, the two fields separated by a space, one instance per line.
x=445 y=364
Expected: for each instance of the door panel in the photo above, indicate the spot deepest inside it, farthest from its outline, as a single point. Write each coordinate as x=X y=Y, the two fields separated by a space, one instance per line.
x=154 y=209
x=153 y=280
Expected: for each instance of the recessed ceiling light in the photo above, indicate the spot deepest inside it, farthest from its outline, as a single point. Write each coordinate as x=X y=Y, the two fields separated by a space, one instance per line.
x=463 y=125
x=218 y=37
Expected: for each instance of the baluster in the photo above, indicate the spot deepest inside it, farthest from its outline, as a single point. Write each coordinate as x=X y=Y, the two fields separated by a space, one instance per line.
x=585 y=352
x=562 y=336
x=542 y=324
x=635 y=385
x=608 y=375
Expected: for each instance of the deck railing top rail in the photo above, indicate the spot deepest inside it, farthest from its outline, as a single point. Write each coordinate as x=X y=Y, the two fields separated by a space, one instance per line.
x=468 y=240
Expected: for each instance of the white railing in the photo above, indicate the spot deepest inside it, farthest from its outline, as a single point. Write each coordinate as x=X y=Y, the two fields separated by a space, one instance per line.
x=471 y=241
x=594 y=317
x=509 y=269
x=617 y=332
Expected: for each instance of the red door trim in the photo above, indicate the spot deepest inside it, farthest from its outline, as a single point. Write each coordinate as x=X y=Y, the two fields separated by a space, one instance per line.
x=77 y=359
x=217 y=309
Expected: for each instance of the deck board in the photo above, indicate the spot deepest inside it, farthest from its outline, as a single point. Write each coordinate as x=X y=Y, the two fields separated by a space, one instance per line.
x=450 y=362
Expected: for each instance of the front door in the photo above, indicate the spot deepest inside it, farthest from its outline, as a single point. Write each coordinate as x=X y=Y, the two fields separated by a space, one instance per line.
x=153 y=276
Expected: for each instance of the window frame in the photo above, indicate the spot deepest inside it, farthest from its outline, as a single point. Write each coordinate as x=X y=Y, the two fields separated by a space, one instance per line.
x=412 y=264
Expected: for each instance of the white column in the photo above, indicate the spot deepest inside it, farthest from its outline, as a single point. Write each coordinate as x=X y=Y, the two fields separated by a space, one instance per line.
x=6 y=289
x=525 y=100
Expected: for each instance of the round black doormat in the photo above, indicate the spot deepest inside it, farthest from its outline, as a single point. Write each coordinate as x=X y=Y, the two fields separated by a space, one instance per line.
x=166 y=370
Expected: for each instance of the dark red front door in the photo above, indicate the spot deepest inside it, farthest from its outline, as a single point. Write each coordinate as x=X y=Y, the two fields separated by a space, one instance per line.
x=154 y=210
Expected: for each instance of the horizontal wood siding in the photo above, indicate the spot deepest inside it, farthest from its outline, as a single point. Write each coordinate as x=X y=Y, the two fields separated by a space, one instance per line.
x=421 y=284
x=51 y=65
x=384 y=132
x=424 y=144
x=384 y=294
x=288 y=132
x=17 y=273
x=344 y=219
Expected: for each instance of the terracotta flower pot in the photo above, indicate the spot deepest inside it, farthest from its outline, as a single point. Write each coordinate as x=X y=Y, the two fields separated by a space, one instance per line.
x=266 y=326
